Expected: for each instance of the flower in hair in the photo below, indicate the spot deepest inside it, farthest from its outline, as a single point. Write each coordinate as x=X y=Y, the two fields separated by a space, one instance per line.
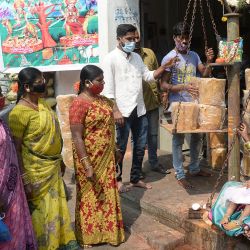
x=77 y=86
x=14 y=87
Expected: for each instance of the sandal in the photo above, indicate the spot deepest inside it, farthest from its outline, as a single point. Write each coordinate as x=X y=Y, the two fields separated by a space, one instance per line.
x=159 y=169
x=185 y=184
x=201 y=173
x=123 y=188
x=234 y=224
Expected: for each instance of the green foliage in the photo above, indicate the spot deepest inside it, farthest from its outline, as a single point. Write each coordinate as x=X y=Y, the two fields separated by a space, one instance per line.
x=242 y=4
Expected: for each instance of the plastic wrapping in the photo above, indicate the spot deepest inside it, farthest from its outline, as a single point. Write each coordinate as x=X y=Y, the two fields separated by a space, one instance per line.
x=218 y=156
x=247 y=78
x=246 y=120
x=211 y=117
x=231 y=51
x=246 y=164
x=63 y=104
x=188 y=116
x=212 y=91
x=217 y=140
x=246 y=94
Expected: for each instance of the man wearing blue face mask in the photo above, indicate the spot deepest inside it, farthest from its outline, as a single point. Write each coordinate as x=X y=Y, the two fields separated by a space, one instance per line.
x=124 y=71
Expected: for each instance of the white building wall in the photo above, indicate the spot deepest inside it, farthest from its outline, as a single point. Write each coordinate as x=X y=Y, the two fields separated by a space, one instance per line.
x=110 y=14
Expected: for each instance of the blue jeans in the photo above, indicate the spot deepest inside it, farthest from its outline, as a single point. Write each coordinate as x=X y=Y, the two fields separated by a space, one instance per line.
x=195 y=150
x=153 y=124
x=139 y=128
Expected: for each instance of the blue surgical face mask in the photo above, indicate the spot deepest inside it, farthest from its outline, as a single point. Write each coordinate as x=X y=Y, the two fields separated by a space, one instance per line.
x=128 y=47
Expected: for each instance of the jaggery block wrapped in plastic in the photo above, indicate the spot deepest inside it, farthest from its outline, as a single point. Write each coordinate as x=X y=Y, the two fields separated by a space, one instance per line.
x=246 y=106
x=246 y=120
x=218 y=156
x=64 y=102
x=247 y=78
x=188 y=115
x=217 y=140
x=211 y=117
x=211 y=90
x=63 y=105
x=246 y=163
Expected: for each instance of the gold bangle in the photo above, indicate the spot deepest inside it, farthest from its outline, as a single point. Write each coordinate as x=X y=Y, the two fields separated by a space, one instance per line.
x=83 y=158
x=88 y=167
x=85 y=162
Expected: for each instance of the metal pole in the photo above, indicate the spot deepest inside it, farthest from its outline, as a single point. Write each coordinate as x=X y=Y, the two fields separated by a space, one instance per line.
x=233 y=100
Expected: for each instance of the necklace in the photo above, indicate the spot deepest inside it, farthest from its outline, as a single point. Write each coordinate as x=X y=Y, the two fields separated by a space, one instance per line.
x=90 y=98
x=29 y=102
x=94 y=98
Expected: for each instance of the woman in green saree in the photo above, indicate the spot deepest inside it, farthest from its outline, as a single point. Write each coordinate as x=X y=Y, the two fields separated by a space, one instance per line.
x=38 y=143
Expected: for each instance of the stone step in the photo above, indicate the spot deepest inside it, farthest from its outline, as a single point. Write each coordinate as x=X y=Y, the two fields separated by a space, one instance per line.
x=197 y=234
x=155 y=234
x=186 y=247
x=133 y=242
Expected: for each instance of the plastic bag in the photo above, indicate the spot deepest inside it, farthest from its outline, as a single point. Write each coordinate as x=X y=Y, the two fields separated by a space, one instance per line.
x=231 y=51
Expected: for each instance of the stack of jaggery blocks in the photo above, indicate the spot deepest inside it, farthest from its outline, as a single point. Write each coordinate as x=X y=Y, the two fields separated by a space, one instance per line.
x=246 y=120
x=63 y=105
x=206 y=113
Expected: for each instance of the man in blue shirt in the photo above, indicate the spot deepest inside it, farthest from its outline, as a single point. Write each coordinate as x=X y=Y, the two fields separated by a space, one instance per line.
x=177 y=83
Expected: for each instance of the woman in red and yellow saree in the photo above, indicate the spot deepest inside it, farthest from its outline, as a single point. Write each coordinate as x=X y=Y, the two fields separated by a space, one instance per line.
x=98 y=213
x=38 y=142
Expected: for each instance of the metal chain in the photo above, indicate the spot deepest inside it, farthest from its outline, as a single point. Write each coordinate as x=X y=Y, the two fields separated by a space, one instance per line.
x=245 y=106
x=218 y=37
x=225 y=164
x=171 y=73
x=203 y=26
x=192 y=25
x=179 y=104
x=185 y=70
x=186 y=15
x=165 y=105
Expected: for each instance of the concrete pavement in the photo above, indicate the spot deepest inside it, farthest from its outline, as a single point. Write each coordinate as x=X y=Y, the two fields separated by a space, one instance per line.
x=158 y=218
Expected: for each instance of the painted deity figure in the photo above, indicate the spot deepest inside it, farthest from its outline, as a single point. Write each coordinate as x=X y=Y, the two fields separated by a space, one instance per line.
x=20 y=12
x=72 y=25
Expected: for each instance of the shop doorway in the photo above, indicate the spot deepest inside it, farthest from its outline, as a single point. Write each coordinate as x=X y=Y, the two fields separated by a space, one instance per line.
x=158 y=17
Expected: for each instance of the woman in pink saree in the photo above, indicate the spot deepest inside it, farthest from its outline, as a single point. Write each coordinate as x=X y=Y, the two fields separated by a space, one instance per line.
x=13 y=203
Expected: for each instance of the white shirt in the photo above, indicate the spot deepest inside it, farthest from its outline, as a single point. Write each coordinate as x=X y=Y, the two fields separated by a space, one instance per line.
x=123 y=81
